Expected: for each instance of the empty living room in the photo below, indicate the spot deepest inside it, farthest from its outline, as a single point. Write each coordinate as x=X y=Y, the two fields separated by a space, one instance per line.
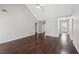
x=39 y=28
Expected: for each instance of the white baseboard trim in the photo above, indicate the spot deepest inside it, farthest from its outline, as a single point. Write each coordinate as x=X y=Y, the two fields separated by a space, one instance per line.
x=76 y=46
x=15 y=38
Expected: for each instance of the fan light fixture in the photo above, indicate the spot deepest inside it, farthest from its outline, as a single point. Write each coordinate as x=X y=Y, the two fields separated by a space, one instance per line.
x=38 y=6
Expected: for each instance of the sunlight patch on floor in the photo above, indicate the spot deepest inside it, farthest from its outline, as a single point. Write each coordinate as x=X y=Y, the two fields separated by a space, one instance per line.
x=64 y=38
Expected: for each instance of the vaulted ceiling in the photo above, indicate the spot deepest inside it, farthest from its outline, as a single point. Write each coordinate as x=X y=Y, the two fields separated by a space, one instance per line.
x=51 y=11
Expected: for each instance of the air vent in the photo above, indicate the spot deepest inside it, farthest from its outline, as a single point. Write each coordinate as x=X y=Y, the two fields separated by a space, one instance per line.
x=4 y=10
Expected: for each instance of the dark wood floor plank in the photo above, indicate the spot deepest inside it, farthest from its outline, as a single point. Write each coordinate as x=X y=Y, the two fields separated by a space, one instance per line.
x=29 y=45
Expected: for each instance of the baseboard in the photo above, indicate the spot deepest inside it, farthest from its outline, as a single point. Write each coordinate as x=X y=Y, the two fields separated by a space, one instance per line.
x=75 y=44
x=15 y=38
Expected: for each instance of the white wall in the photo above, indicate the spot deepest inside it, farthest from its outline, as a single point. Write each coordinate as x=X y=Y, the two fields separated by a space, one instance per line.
x=54 y=12
x=16 y=23
x=76 y=26
x=50 y=14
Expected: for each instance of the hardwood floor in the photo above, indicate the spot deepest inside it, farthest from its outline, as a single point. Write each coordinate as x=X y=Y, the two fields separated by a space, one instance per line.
x=30 y=45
